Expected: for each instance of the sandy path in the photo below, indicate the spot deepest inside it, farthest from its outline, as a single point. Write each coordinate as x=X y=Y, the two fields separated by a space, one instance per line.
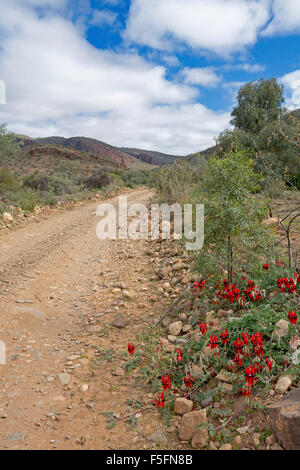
x=60 y=290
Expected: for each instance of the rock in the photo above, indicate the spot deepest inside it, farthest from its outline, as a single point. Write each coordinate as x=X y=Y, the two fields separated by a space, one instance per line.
x=178 y=266
x=281 y=329
x=206 y=402
x=237 y=441
x=157 y=436
x=183 y=406
x=227 y=387
x=120 y=321
x=7 y=217
x=276 y=447
x=17 y=436
x=270 y=221
x=270 y=440
x=128 y=294
x=283 y=383
x=223 y=377
x=243 y=429
x=119 y=372
x=175 y=328
x=285 y=420
x=84 y=388
x=189 y=423
x=93 y=329
x=64 y=379
x=200 y=439
x=256 y=439
x=226 y=447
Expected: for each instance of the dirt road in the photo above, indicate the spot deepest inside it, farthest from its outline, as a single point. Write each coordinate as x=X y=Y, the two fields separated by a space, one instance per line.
x=60 y=291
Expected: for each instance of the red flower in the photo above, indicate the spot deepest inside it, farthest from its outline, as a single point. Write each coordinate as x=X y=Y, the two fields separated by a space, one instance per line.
x=131 y=348
x=293 y=317
x=179 y=354
x=159 y=402
x=246 y=392
x=297 y=276
x=203 y=328
x=224 y=336
x=250 y=372
x=166 y=382
x=269 y=363
x=286 y=284
x=188 y=381
x=213 y=342
x=238 y=360
x=245 y=338
x=199 y=285
x=239 y=346
x=266 y=267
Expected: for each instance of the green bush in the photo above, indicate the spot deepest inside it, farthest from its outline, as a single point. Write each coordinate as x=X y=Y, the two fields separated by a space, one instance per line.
x=8 y=181
x=37 y=181
x=97 y=180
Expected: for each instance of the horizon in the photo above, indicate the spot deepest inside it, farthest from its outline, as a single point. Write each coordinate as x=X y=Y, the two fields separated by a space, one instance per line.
x=145 y=74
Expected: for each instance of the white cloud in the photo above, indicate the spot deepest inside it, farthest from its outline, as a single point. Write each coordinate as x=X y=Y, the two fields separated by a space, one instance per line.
x=58 y=83
x=205 y=76
x=286 y=18
x=101 y=17
x=292 y=83
x=219 y=26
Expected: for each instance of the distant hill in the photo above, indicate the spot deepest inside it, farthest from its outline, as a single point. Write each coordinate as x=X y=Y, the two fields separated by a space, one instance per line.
x=150 y=156
x=207 y=153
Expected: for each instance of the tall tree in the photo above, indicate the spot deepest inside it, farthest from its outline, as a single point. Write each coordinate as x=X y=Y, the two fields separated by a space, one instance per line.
x=259 y=103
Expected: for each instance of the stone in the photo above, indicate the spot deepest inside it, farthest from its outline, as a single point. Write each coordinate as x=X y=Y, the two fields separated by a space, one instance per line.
x=119 y=372
x=120 y=321
x=128 y=294
x=157 y=436
x=281 y=329
x=93 y=329
x=243 y=429
x=175 y=328
x=283 y=383
x=183 y=406
x=17 y=436
x=64 y=379
x=237 y=441
x=256 y=439
x=270 y=221
x=223 y=377
x=189 y=423
x=178 y=266
x=285 y=420
x=200 y=439
x=226 y=447
x=270 y=440
x=7 y=217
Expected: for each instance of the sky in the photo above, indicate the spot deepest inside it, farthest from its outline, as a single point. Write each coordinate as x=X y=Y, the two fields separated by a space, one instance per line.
x=155 y=74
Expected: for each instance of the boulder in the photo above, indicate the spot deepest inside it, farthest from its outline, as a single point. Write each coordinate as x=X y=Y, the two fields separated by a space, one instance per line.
x=175 y=328
x=189 y=423
x=7 y=217
x=283 y=383
x=200 y=439
x=183 y=406
x=285 y=420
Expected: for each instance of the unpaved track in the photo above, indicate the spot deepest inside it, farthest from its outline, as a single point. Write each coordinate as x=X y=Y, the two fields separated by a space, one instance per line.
x=56 y=277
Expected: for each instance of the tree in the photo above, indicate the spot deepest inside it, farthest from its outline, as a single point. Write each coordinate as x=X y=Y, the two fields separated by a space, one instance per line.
x=259 y=103
x=8 y=145
x=232 y=215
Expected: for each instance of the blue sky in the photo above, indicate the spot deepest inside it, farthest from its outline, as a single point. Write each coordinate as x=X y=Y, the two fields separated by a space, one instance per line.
x=155 y=74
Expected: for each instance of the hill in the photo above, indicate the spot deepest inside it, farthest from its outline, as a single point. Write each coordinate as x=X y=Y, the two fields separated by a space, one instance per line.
x=150 y=156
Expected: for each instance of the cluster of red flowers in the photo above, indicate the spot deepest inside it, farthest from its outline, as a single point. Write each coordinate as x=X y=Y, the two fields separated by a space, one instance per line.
x=229 y=291
x=286 y=284
x=198 y=286
x=297 y=276
x=266 y=267
x=252 y=292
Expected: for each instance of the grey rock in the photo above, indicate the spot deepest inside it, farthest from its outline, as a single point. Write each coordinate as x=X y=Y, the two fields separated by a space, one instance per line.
x=157 y=436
